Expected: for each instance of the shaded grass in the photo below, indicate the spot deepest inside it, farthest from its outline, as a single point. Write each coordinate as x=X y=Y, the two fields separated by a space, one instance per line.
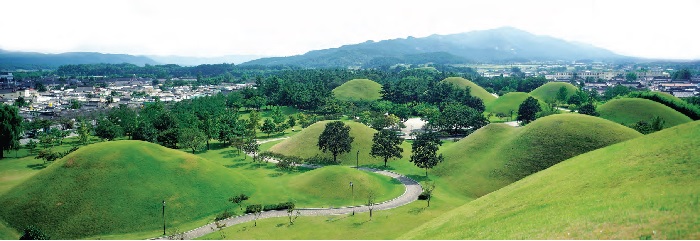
x=641 y=188
x=358 y=90
x=476 y=90
x=629 y=111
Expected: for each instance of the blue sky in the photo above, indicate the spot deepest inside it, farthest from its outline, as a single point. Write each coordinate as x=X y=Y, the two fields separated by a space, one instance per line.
x=653 y=29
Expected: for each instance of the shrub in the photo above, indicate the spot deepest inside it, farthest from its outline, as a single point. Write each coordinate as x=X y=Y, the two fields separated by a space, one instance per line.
x=226 y=214
x=683 y=107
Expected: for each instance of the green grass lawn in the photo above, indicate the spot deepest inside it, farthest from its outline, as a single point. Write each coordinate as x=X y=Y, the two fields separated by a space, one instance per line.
x=631 y=110
x=475 y=89
x=305 y=144
x=508 y=102
x=497 y=155
x=358 y=90
x=550 y=90
x=639 y=189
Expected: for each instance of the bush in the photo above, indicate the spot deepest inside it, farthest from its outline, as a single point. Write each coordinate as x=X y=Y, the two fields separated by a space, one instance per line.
x=33 y=233
x=226 y=214
x=269 y=207
x=424 y=195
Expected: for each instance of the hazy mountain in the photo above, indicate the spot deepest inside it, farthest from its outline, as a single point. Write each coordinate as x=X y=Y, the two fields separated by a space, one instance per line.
x=193 y=61
x=31 y=60
x=497 y=45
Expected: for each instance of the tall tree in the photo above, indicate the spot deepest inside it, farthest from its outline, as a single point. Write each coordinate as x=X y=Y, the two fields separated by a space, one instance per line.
x=425 y=149
x=336 y=139
x=268 y=127
x=192 y=138
x=588 y=109
x=527 y=112
x=562 y=94
x=386 y=144
x=10 y=127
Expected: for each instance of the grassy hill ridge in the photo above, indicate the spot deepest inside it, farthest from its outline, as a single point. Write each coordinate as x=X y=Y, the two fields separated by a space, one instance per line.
x=550 y=90
x=631 y=110
x=637 y=189
x=497 y=155
x=476 y=90
x=91 y=191
x=358 y=90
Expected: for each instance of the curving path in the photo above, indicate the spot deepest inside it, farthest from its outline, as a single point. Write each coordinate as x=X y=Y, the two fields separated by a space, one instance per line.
x=413 y=190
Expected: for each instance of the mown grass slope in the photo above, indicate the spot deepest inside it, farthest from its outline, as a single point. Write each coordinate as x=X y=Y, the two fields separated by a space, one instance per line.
x=508 y=102
x=631 y=110
x=497 y=155
x=645 y=188
x=117 y=187
x=305 y=144
x=332 y=184
x=550 y=90
x=358 y=90
x=476 y=90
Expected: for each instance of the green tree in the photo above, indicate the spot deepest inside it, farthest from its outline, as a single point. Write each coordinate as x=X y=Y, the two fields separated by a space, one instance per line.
x=336 y=139
x=250 y=146
x=21 y=102
x=291 y=121
x=256 y=209
x=425 y=149
x=126 y=118
x=268 y=127
x=48 y=155
x=588 y=109
x=83 y=132
x=387 y=145
x=107 y=130
x=618 y=90
x=562 y=94
x=31 y=232
x=192 y=138
x=527 y=112
x=631 y=76
x=10 y=127
x=683 y=74
x=238 y=200
x=31 y=145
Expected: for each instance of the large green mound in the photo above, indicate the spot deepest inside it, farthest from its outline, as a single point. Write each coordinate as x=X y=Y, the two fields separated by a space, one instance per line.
x=331 y=184
x=117 y=187
x=498 y=154
x=508 y=102
x=631 y=110
x=475 y=90
x=550 y=90
x=358 y=90
x=305 y=144
x=639 y=189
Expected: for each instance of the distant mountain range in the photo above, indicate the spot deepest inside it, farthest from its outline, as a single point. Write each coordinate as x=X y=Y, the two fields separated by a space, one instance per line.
x=486 y=46
x=501 y=45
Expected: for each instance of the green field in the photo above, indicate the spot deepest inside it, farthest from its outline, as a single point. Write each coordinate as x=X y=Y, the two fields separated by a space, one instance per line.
x=476 y=90
x=639 y=189
x=550 y=90
x=631 y=110
x=508 y=102
x=358 y=90
x=305 y=144
x=196 y=188
x=498 y=154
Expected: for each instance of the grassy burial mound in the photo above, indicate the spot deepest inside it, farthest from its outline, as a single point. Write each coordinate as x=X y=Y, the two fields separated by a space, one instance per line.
x=358 y=90
x=498 y=154
x=639 y=189
x=117 y=187
x=475 y=90
x=550 y=90
x=508 y=102
x=631 y=110
x=332 y=185
x=305 y=144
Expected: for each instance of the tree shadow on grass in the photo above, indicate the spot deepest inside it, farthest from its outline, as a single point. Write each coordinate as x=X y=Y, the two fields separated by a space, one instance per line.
x=416 y=211
x=230 y=154
x=217 y=146
x=419 y=178
x=37 y=166
x=237 y=165
x=336 y=218
x=360 y=223
x=380 y=167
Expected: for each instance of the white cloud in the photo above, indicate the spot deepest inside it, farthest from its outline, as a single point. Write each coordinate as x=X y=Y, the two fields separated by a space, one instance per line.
x=660 y=29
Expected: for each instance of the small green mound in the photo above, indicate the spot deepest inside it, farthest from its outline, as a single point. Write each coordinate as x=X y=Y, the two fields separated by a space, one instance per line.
x=117 y=187
x=332 y=184
x=475 y=90
x=358 y=90
x=550 y=90
x=498 y=154
x=305 y=144
x=632 y=110
x=639 y=189
x=508 y=102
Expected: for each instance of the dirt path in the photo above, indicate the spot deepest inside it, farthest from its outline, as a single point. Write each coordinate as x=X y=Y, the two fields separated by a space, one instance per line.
x=411 y=193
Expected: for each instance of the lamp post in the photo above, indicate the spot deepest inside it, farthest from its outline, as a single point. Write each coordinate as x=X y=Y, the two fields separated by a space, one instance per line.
x=357 y=159
x=352 y=190
x=163 y=217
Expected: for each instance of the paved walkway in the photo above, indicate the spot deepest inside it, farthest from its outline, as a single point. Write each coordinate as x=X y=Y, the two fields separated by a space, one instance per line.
x=411 y=193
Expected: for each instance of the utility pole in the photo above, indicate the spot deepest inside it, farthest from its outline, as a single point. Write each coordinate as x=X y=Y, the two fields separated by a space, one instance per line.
x=163 y=217
x=357 y=159
x=352 y=190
